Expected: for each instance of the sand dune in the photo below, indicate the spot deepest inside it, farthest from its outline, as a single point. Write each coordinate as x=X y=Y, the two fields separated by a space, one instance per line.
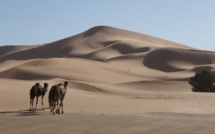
x=113 y=73
x=107 y=45
x=90 y=41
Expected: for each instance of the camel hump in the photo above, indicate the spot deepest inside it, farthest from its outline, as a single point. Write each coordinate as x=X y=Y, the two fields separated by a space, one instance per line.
x=34 y=90
x=60 y=84
x=37 y=84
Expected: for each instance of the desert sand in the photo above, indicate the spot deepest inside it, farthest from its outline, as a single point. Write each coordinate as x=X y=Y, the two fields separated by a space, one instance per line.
x=120 y=82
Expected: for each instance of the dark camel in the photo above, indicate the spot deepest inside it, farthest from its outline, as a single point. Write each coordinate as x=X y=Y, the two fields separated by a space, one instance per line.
x=36 y=91
x=56 y=94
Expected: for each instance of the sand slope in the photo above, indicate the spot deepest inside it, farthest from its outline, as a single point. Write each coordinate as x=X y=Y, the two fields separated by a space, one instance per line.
x=110 y=46
x=116 y=78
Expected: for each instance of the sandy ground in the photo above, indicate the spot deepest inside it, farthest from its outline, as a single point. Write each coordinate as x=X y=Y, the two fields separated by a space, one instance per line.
x=154 y=123
x=120 y=82
x=91 y=112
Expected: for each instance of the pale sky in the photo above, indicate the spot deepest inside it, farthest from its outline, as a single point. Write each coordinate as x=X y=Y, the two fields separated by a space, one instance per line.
x=31 y=22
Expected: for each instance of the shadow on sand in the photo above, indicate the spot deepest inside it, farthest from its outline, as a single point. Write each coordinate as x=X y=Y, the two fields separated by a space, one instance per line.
x=24 y=112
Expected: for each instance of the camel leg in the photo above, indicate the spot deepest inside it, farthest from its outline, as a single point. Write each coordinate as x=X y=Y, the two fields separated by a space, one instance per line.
x=49 y=104
x=42 y=103
x=53 y=106
x=61 y=106
x=36 y=103
x=30 y=104
x=58 y=107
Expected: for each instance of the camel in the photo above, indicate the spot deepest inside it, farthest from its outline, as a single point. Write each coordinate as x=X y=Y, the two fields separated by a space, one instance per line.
x=36 y=91
x=50 y=97
x=53 y=97
x=56 y=94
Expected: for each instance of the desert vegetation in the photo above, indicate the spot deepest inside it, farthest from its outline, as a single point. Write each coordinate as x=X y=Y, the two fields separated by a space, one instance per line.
x=203 y=81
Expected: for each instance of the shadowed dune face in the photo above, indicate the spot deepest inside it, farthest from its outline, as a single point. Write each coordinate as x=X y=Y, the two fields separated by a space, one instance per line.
x=4 y=50
x=173 y=60
x=44 y=51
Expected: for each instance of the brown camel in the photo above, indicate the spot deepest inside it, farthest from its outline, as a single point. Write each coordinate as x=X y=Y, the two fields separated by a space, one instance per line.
x=36 y=91
x=52 y=96
x=56 y=94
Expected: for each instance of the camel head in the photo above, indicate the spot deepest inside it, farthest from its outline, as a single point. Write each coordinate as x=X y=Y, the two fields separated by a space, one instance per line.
x=65 y=84
x=46 y=86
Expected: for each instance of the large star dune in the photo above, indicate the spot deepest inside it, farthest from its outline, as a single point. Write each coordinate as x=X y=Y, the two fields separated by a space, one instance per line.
x=118 y=74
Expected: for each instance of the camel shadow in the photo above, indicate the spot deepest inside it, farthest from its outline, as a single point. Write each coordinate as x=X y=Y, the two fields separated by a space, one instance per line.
x=7 y=112
x=27 y=113
x=31 y=113
x=24 y=112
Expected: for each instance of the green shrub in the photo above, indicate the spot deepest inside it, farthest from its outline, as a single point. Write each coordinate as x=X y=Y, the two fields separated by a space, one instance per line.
x=203 y=81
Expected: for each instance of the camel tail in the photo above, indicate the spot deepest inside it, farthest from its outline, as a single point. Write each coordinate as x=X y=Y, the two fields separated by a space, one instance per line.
x=55 y=93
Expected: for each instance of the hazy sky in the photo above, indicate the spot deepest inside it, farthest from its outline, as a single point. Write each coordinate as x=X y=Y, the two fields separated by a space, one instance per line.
x=29 y=22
